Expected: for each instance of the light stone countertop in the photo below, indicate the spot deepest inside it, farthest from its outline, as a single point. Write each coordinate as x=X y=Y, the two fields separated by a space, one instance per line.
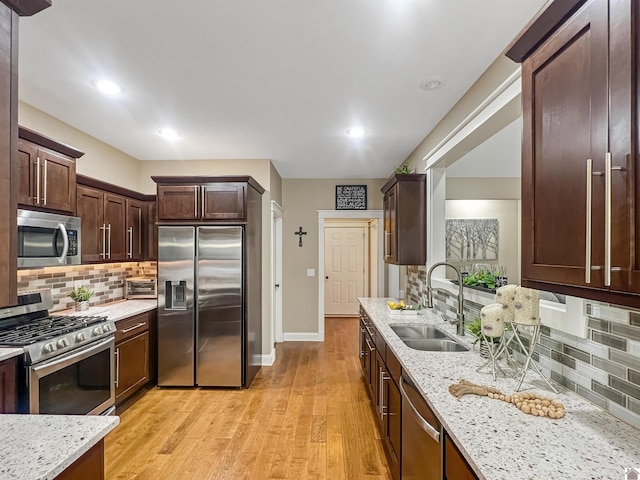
x=40 y=447
x=115 y=310
x=9 y=352
x=497 y=439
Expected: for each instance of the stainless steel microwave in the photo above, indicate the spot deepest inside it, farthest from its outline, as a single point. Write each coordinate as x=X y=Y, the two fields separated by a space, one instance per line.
x=47 y=239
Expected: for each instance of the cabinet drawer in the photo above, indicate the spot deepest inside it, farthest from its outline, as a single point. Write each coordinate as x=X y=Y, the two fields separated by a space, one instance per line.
x=393 y=366
x=129 y=327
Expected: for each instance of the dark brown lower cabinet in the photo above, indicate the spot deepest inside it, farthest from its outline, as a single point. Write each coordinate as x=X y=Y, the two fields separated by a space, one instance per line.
x=455 y=466
x=381 y=382
x=88 y=466
x=134 y=359
x=8 y=390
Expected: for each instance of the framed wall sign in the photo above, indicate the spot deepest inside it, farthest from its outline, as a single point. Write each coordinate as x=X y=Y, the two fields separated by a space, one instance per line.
x=351 y=197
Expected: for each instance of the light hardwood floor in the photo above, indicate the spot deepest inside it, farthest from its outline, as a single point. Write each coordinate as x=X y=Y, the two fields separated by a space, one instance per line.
x=306 y=417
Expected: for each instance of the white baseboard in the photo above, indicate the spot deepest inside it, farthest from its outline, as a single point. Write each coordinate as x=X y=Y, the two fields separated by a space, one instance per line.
x=267 y=359
x=301 y=337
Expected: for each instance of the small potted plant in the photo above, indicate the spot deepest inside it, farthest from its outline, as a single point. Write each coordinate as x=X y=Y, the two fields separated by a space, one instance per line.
x=475 y=329
x=81 y=296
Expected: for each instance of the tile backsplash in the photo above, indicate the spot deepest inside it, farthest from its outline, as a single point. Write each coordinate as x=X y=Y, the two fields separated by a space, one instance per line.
x=106 y=280
x=603 y=368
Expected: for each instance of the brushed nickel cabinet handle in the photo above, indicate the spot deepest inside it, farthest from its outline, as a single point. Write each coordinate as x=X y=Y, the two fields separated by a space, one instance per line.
x=104 y=241
x=203 y=205
x=589 y=197
x=38 y=181
x=130 y=252
x=117 y=366
x=195 y=201
x=138 y=325
x=44 y=184
x=109 y=238
x=607 y=220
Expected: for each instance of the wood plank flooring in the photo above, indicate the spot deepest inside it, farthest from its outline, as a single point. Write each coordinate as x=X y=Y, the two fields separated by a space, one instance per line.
x=306 y=417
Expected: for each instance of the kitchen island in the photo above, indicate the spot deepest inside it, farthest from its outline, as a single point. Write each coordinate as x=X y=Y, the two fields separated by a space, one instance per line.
x=43 y=447
x=498 y=440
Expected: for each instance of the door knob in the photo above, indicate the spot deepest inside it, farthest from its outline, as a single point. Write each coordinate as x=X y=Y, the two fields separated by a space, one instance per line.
x=326 y=278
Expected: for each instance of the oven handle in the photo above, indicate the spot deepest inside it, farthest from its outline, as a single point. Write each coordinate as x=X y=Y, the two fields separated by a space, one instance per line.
x=65 y=243
x=62 y=362
x=426 y=426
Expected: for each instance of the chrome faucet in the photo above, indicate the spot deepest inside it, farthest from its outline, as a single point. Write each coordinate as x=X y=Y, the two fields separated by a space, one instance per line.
x=460 y=313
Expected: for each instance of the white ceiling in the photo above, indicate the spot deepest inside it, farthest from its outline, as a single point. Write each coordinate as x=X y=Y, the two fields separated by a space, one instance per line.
x=276 y=79
x=498 y=156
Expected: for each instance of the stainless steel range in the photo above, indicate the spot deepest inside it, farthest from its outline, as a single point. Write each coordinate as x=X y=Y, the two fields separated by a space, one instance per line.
x=67 y=365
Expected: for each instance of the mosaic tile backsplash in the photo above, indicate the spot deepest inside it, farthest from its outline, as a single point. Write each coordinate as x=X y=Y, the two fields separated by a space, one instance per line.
x=603 y=368
x=106 y=280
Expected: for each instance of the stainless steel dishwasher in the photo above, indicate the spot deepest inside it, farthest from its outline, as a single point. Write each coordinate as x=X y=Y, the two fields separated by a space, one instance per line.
x=421 y=434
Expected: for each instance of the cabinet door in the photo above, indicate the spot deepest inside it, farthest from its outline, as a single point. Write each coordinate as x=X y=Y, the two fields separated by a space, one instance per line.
x=565 y=115
x=114 y=219
x=455 y=466
x=27 y=173
x=178 y=202
x=223 y=201
x=393 y=426
x=90 y=208
x=58 y=181
x=8 y=390
x=132 y=365
x=135 y=229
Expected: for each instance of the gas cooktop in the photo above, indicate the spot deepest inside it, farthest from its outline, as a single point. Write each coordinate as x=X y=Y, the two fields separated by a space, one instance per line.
x=44 y=329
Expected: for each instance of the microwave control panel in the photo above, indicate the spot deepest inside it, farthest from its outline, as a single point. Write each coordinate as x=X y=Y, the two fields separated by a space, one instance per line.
x=73 y=242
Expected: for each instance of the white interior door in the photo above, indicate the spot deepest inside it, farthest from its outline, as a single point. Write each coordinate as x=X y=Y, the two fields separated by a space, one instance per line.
x=344 y=269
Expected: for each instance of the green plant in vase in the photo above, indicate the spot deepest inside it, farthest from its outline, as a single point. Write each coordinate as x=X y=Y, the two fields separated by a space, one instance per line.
x=81 y=296
x=404 y=169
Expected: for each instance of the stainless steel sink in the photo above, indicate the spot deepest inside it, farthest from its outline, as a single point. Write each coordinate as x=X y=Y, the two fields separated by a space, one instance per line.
x=427 y=338
x=418 y=331
x=434 y=345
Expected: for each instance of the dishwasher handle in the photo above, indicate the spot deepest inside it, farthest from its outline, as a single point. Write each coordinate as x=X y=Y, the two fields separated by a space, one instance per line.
x=426 y=426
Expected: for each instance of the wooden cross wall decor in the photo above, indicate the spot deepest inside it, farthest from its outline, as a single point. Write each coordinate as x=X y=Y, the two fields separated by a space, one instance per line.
x=300 y=233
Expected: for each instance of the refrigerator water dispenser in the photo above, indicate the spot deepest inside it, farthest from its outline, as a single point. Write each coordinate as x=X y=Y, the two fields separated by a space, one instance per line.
x=176 y=295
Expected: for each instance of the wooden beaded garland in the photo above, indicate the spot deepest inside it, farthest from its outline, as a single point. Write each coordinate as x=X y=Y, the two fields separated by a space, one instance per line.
x=529 y=403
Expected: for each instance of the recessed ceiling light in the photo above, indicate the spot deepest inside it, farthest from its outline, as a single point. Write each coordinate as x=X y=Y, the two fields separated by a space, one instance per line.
x=168 y=133
x=355 y=132
x=431 y=84
x=108 y=87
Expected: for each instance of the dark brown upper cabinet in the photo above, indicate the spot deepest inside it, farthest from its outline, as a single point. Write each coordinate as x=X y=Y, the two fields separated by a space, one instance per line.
x=580 y=152
x=114 y=222
x=203 y=198
x=104 y=235
x=46 y=173
x=405 y=230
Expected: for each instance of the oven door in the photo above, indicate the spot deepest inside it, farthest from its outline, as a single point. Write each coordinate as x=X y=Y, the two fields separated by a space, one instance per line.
x=79 y=383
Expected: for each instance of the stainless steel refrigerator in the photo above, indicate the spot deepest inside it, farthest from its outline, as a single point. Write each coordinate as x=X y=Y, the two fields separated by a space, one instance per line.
x=202 y=332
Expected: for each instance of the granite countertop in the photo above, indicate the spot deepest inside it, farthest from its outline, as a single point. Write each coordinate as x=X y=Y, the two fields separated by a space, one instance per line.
x=116 y=310
x=7 y=352
x=40 y=447
x=497 y=439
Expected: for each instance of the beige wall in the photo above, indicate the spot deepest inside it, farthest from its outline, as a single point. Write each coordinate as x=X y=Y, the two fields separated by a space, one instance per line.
x=463 y=188
x=302 y=198
x=260 y=169
x=276 y=186
x=99 y=160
